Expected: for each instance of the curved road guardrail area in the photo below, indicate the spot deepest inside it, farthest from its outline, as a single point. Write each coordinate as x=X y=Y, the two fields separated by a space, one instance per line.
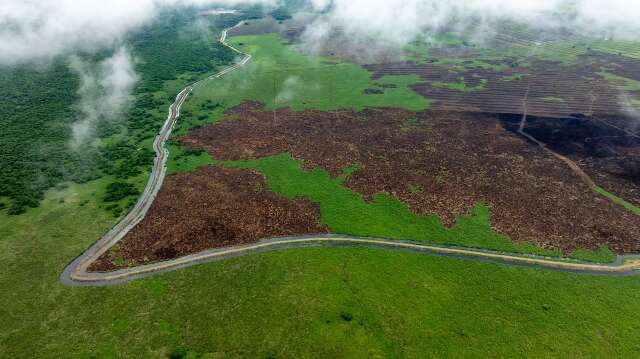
x=76 y=274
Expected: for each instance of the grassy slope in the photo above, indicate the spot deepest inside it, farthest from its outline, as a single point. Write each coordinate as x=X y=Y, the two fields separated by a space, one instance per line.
x=398 y=303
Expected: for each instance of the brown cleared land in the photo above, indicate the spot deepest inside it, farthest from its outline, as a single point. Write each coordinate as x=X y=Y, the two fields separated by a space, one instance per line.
x=607 y=149
x=212 y=207
x=556 y=90
x=437 y=162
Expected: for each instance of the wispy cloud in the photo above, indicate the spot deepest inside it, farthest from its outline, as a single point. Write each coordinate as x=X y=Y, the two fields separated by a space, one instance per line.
x=399 y=21
x=105 y=93
x=40 y=29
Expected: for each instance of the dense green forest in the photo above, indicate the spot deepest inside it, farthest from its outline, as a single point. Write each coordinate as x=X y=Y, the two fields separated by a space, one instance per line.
x=39 y=108
x=35 y=118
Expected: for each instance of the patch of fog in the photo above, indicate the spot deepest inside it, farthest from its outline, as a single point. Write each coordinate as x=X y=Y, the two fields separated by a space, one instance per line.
x=290 y=87
x=398 y=22
x=631 y=107
x=105 y=93
x=43 y=29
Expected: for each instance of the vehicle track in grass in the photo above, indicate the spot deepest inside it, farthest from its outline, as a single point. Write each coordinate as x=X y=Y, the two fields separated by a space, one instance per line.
x=76 y=274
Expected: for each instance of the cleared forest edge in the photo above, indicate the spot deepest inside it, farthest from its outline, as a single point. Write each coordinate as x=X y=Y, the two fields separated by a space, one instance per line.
x=210 y=208
x=438 y=163
x=79 y=266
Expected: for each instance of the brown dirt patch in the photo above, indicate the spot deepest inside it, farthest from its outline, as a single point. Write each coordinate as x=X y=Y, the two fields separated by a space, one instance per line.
x=607 y=149
x=212 y=207
x=456 y=159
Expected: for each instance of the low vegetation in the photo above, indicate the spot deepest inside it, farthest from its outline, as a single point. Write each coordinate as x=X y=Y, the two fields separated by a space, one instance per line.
x=262 y=299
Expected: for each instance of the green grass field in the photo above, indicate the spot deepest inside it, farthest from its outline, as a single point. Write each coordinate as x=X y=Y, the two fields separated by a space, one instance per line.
x=279 y=76
x=316 y=302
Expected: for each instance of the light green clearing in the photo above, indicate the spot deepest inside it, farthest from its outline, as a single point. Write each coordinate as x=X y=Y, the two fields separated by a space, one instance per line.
x=346 y=212
x=617 y=200
x=279 y=76
x=553 y=99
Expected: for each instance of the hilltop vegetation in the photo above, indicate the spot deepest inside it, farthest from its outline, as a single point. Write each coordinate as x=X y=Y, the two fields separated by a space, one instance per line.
x=37 y=104
x=39 y=108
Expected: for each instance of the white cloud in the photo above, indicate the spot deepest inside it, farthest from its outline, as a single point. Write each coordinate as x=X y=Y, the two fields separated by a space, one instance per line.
x=401 y=20
x=104 y=92
x=40 y=29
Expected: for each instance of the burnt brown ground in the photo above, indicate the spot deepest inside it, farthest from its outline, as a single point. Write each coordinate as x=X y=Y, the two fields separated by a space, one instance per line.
x=609 y=155
x=456 y=159
x=212 y=207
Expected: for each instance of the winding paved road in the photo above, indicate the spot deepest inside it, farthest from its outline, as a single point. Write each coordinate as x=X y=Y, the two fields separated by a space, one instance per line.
x=76 y=274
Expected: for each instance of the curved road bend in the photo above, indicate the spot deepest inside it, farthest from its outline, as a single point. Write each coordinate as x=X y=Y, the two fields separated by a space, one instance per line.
x=156 y=178
x=76 y=274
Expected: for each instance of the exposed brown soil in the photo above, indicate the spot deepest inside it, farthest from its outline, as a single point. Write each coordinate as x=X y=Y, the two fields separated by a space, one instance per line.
x=213 y=207
x=609 y=155
x=455 y=158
